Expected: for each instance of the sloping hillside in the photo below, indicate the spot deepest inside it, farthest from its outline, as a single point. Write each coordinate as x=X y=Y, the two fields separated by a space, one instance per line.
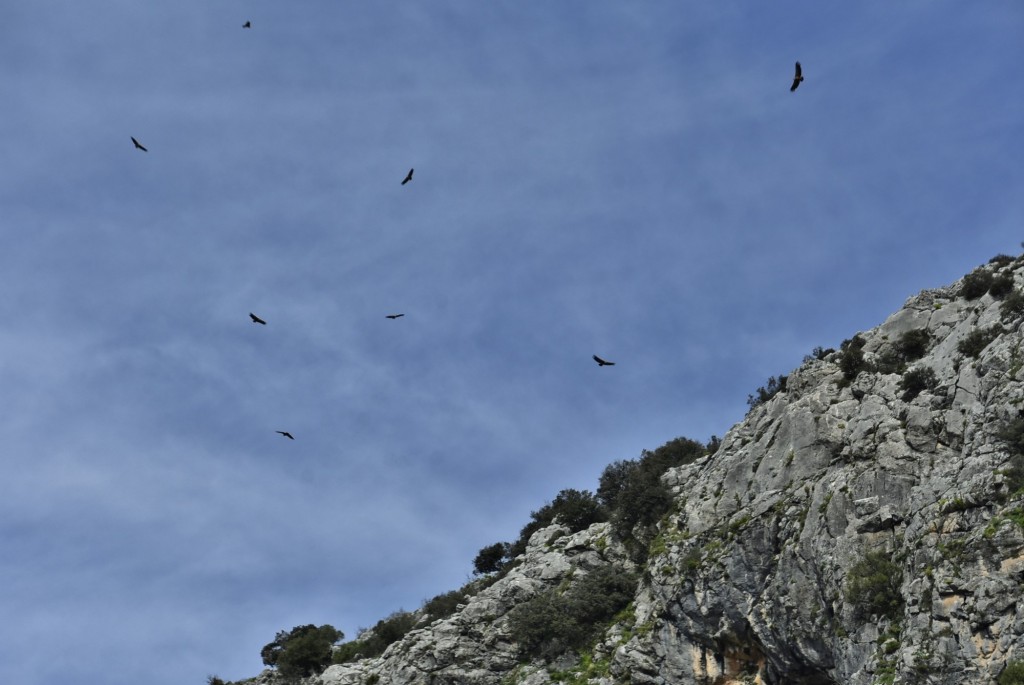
x=863 y=524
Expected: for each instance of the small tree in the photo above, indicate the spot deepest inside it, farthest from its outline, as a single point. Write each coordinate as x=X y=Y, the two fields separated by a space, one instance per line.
x=635 y=495
x=614 y=480
x=576 y=509
x=976 y=283
x=767 y=391
x=303 y=651
x=851 y=357
x=491 y=559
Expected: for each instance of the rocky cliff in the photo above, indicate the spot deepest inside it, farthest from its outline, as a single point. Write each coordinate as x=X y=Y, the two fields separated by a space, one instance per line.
x=863 y=524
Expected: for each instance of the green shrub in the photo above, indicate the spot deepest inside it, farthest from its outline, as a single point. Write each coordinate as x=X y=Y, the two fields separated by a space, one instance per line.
x=1001 y=260
x=1012 y=306
x=214 y=680
x=614 y=480
x=1002 y=285
x=818 y=353
x=1013 y=673
x=772 y=388
x=445 y=604
x=634 y=494
x=913 y=345
x=916 y=381
x=373 y=642
x=491 y=559
x=552 y=623
x=303 y=651
x=977 y=340
x=851 y=357
x=576 y=509
x=391 y=629
x=976 y=283
x=350 y=651
x=873 y=586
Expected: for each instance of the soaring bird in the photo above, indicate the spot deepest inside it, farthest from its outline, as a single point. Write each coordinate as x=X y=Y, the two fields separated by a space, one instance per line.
x=256 y=319
x=286 y=434
x=247 y=25
x=408 y=177
x=602 y=362
x=797 y=78
x=138 y=144
x=394 y=316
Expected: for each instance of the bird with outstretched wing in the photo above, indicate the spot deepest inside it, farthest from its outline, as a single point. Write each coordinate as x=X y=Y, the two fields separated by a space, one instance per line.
x=138 y=145
x=286 y=434
x=256 y=319
x=603 y=362
x=408 y=177
x=797 y=78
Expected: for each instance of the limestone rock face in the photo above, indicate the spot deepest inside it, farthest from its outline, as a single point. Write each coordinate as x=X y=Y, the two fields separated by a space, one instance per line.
x=853 y=529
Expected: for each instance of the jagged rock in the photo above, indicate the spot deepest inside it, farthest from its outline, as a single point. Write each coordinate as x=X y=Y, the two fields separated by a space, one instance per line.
x=752 y=578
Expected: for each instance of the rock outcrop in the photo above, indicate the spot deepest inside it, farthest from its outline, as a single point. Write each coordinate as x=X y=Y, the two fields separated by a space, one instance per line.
x=863 y=525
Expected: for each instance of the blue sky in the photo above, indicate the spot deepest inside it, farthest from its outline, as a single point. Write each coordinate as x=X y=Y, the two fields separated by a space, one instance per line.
x=633 y=180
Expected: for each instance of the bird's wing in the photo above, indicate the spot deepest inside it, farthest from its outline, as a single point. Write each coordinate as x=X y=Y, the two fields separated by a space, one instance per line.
x=799 y=71
x=796 y=83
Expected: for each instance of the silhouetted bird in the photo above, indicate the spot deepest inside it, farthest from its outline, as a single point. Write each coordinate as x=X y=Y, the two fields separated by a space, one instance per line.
x=602 y=362
x=256 y=319
x=394 y=316
x=139 y=145
x=408 y=177
x=797 y=78
x=247 y=25
x=286 y=434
